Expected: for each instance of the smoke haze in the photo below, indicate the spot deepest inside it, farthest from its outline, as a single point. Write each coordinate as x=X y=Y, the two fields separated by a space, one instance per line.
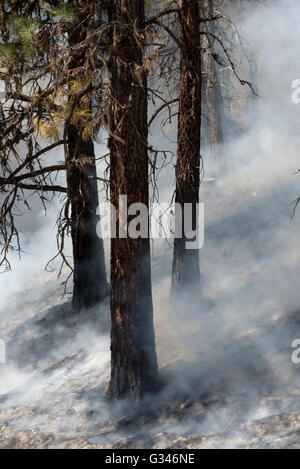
x=226 y=360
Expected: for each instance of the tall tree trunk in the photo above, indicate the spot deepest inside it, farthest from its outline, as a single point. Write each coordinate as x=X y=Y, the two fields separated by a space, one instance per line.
x=90 y=284
x=134 y=368
x=212 y=90
x=186 y=269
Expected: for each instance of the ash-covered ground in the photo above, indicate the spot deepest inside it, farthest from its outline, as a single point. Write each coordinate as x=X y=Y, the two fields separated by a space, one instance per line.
x=228 y=380
x=225 y=358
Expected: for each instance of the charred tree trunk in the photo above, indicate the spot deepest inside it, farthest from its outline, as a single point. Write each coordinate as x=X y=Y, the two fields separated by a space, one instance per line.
x=90 y=284
x=186 y=269
x=212 y=91
x=134 y=368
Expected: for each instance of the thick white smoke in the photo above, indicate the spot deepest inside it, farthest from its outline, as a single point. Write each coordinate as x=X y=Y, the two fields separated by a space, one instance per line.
x=226 y=360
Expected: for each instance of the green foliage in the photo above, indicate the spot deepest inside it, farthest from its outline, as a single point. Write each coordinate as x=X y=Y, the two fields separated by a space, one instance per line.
x=65 y=13
x=8 y=54
x=27 y=31
x=23 y=30
x=51 y=128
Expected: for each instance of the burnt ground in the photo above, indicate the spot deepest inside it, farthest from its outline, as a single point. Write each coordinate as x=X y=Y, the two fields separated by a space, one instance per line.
x=227 y=376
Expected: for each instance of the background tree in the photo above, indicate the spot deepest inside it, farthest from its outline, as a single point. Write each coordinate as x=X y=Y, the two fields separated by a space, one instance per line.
x=90 y=285
x=41 y=89
x=186 y=269
x=212 y=93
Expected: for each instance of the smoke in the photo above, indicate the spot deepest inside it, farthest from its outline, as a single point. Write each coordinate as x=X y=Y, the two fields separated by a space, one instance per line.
x=236 y=342
x=225 y=360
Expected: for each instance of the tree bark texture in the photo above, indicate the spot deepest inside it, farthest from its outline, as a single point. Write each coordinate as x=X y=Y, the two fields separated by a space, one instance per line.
x=134 y=368
x=90 y=284
x=212 y=92
x=186 y=269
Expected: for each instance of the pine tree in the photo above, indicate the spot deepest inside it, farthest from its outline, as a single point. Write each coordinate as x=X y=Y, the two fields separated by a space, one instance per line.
x=90 y=285
x=186 y=269
x=133 y=358
x=42 y=45
x=212 y=93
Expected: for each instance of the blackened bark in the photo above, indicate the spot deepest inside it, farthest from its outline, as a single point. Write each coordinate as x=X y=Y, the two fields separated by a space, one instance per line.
x=134 y=368
x=186 y=269
x=90 y=284
x=212 y=90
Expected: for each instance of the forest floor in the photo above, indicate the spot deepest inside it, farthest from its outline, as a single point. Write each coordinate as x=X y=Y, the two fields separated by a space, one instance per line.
x=229 y=381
